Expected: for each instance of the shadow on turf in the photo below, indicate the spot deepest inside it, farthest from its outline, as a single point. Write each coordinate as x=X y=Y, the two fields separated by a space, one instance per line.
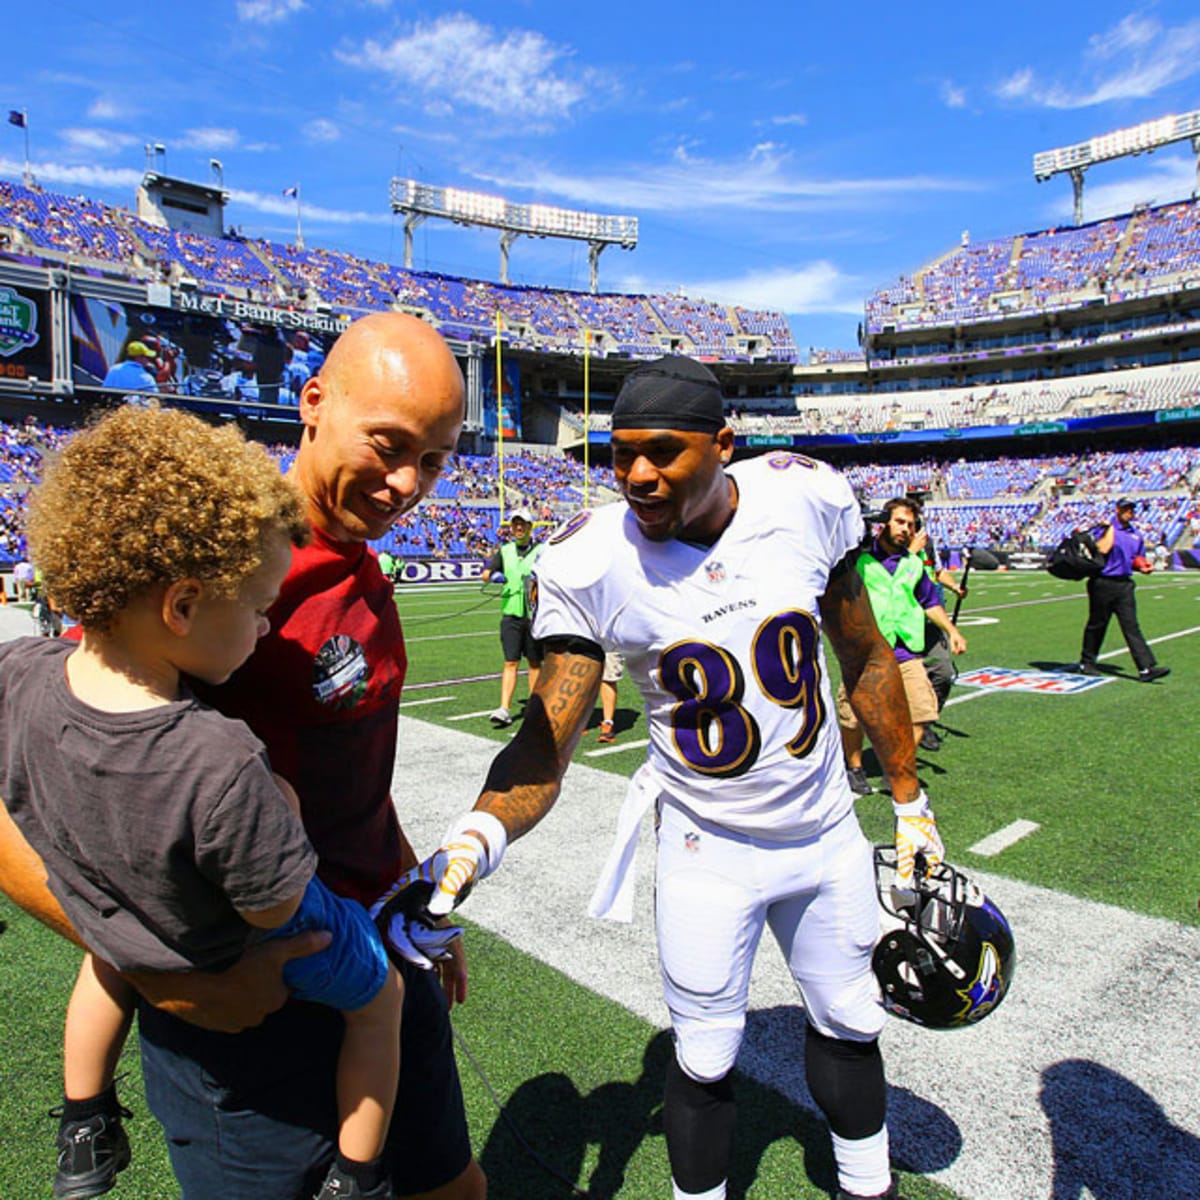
x=548 y=1119
x=624 y=719
x=1111 y=1140
x=1071 y=668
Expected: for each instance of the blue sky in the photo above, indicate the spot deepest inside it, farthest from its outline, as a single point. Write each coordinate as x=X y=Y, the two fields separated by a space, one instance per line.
x=793 y=156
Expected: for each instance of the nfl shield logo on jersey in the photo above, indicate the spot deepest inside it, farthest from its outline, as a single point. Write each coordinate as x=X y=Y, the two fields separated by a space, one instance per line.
x=716 y=571
x=691 y=842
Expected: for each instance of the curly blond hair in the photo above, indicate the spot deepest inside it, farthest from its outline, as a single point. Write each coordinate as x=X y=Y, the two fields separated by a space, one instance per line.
x=147 y=496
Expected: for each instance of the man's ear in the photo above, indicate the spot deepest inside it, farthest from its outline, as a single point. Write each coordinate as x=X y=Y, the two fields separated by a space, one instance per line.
x=312 y=394
x=724 y=441
x=179 y=602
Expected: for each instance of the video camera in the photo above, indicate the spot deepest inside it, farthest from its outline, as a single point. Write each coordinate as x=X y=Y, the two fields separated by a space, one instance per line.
x=917 y=497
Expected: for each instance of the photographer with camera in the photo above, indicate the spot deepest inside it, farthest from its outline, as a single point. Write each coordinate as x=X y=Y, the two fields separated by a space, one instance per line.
x=903 y=597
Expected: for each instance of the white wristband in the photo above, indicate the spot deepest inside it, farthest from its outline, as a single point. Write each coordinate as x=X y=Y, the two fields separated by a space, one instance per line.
x=913 y=808
x=490 y=829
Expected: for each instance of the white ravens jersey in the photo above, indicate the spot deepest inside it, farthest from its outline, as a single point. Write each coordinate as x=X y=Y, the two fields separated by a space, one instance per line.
x=724 y=643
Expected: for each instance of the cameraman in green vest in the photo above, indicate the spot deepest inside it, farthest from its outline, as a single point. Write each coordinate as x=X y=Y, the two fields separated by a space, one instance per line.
x=902 y=597
x=512 y=565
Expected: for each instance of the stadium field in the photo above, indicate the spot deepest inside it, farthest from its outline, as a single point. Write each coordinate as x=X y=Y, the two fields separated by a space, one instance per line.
x=1074 y=809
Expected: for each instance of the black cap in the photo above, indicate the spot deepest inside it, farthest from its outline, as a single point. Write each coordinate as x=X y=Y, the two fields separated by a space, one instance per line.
x=674 y=392
x=1125 y=502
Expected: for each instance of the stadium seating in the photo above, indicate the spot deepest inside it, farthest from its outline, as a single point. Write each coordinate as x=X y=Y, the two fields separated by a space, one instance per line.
x=1007 y=501
x=464 y=309
x=1025 y=274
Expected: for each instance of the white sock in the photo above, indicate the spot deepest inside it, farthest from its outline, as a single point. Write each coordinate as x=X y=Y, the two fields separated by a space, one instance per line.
x=717 y=1193
x=862 y=1164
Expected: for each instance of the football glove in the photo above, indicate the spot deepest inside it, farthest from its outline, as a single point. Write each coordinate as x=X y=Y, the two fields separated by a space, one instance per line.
x=916 y=837
x=471 y=850
x=404 y=923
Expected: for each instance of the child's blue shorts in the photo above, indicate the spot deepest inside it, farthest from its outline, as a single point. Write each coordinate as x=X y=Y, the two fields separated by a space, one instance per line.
x=349 y=972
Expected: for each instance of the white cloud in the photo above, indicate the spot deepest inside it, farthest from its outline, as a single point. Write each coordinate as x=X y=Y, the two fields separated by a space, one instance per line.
x=458 y=60
x=321 y=130
x=952 y=95
x=267 y=12
x=818 y=287
x=790 y=119
x=104 y=108
x=209 y=139
x=96 y=141
x=285 y=206
x=1167 y=180
x=761 y=181
x=1133 y=60
x=64 y=175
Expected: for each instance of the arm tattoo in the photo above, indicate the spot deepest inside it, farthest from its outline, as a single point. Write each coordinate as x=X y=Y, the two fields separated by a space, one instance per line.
x=526 y=776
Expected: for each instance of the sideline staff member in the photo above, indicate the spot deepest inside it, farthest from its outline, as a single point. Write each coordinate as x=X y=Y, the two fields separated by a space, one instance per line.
x=1112 y=592
x=902 y=597
x=512 y=565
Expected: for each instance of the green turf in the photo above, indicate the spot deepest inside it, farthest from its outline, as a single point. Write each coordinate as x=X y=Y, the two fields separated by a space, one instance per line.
x=1106 y=774
x=581 y=1080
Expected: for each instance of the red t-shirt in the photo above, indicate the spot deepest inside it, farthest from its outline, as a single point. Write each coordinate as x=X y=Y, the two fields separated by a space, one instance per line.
x=321 y=690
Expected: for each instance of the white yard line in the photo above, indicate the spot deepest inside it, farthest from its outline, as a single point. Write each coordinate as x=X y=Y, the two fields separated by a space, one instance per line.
x=483 y=712
x=1010 y=835
x=1082 y=1060
x=616 y=749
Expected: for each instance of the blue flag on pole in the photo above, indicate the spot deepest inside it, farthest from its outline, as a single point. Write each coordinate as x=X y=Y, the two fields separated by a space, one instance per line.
x=17 y=118
x=292 y=191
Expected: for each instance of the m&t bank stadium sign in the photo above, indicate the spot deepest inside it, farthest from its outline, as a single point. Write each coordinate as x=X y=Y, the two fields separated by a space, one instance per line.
x=259 y=314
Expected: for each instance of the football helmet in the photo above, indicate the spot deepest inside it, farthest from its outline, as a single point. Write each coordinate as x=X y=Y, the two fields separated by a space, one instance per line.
x=947 y=954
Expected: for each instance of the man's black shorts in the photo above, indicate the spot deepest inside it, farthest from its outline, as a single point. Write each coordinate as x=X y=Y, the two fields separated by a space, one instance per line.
x=518 y=642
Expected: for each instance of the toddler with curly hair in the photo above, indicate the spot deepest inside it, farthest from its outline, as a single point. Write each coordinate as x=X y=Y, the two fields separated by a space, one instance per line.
x=167 y=839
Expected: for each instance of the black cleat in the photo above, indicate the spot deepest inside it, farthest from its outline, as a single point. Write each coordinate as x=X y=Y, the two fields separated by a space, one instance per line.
x=1085 y=668
x=859 y=784
x=1152 y=673
x=90 y=1153
x=930 y=740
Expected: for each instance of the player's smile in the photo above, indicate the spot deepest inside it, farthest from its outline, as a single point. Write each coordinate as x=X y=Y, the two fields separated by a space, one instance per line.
x=673 y=481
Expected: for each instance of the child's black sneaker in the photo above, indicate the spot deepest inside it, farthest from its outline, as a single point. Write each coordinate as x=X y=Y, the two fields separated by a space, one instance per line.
x=339 y=1185
x=90 y=1153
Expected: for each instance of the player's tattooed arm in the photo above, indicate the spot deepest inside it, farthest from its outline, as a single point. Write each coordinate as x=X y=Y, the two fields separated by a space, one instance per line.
x=871 y=676
x=526 y=776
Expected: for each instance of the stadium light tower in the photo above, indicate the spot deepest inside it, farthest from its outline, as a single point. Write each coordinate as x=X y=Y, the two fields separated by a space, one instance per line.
x=1137 y=139
x=417 y=201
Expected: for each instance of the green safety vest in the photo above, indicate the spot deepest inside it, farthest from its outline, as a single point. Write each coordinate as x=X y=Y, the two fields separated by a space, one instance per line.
x=893 y=599
x=517 y=570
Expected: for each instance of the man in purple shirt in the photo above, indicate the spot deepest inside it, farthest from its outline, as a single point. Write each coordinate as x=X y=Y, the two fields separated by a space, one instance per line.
x=903 y=598
x=1112 y=592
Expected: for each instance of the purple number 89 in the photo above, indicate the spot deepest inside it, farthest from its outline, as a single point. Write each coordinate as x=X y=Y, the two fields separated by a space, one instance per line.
x=713 y=733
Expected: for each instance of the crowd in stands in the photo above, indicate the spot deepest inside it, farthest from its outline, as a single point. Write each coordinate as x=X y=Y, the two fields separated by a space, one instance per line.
x=464 y=309
x=1009 y=502
x=22 y=452
x=1141 y=389
x=1028 y=273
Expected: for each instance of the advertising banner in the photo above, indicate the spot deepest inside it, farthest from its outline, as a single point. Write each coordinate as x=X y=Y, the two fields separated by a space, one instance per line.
x=138 y=348
x=510 y=398
x=25 y=351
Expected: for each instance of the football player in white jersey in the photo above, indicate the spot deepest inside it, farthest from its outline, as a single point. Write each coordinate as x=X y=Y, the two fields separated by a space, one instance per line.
x=715 y=585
